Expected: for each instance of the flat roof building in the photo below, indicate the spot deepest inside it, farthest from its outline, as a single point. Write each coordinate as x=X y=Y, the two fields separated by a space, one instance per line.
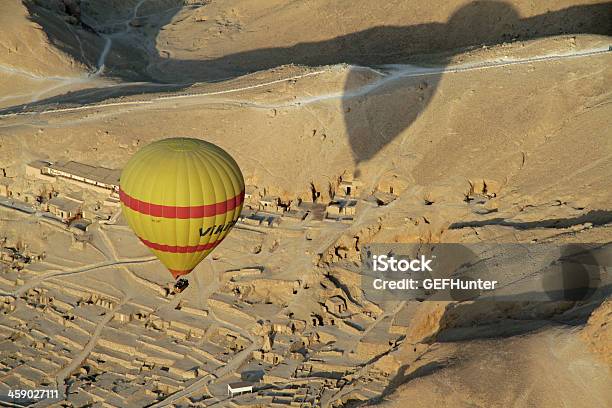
x=350 y=188
x=270 y=203
x=239 y=388
x=98 y=176
x=335 y=304
x=64 y=207
x=341 y=207
x=36 y=167
x=250 y=191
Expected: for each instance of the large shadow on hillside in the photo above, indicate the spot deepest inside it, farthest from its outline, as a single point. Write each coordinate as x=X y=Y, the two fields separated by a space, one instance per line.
x=372 y=122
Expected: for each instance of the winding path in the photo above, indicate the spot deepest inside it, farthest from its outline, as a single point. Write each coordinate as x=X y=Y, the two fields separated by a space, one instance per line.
x=108 y=38
x=390 y=73
x=62 y=272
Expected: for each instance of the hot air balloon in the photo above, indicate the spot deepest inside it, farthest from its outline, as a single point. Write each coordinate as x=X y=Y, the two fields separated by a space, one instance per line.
x=181 y=197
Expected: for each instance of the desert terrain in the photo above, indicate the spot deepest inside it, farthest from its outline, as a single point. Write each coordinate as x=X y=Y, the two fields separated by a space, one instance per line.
x=355 y=124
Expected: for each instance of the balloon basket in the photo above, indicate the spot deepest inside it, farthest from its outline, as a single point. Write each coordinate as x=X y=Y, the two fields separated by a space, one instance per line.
x=180 y=285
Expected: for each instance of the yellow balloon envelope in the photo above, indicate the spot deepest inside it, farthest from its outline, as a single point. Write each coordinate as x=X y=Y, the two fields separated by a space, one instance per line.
x=181 y=197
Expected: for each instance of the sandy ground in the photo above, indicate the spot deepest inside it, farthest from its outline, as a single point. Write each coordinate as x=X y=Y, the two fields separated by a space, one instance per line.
x=526 y=369
x=497 y=134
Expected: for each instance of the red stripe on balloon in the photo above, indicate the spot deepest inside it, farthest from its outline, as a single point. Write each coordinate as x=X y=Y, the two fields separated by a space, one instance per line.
x=171 y=211
x=176 y=249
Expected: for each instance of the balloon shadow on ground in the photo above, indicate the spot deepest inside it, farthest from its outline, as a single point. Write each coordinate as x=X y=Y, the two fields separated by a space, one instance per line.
x=371 y=123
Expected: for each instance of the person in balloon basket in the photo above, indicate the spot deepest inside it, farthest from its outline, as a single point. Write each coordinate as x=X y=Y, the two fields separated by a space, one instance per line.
x=180 y=285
